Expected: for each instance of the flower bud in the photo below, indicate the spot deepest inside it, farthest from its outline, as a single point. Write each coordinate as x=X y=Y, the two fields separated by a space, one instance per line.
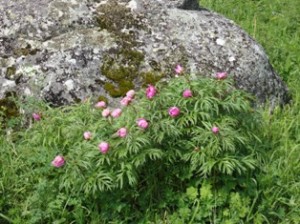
x=87 y=135
x=58 y=161
x=215 y=130
x=130 y=94
x=174 y=111
x=36 y=116
x=126 y=101
x=142 y=123
x=187 y=93
x=100 y=104
x=221 y=75
x=103 y=147
x=122 y=132
x=116 y=113
x=150 y=91
x=178 y=69
x=106 y=112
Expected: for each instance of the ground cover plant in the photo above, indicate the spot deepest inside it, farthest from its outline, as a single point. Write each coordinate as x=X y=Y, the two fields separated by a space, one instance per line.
x=158 y=153
x=275 y=24
x=191 y=151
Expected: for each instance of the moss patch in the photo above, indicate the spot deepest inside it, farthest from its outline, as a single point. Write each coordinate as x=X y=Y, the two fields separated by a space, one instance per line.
x=102 y=98
x=28 y=50
x=121 y=65
x=116 y=17
x=10 y=73
x=120 y=90
x=8 y=109
x=151 y=77
x=121 y=69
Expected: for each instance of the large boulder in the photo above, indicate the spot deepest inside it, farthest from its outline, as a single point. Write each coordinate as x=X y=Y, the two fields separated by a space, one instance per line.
x=64 y=51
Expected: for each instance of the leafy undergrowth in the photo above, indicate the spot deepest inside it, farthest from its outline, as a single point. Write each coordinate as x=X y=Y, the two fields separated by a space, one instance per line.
x=190 y=151
x=275 y=24
x=186 y=149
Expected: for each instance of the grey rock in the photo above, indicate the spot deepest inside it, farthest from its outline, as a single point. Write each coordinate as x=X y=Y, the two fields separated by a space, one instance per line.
x=65 y=51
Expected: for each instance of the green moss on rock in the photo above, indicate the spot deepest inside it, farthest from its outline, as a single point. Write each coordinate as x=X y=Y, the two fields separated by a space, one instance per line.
x=121 y=65
x=119 y=90
x=102 y=98
x=28 y=50
x=115 y=17
x=11 y=73
x=151 y=77
x=8 y=109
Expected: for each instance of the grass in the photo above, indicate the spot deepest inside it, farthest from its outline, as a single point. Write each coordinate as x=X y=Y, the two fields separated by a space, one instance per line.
x=275 y=25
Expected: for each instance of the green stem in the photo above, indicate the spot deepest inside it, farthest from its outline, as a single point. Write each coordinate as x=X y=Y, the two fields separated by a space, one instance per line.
x=195 y=212
x=6 y=218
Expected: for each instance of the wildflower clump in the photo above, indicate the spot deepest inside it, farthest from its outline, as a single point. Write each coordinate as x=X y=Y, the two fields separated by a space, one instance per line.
x=169 y=141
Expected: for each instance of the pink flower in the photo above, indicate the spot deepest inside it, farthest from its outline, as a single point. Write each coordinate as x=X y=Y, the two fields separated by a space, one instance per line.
x=130 y=94
x=174 y=111
x=106 y=112
x=58 y=161
x=126 y=101
x=122 y=132
x=215 y=130
x=142 y=123
x=221 y=75
x=150 y=91
x=100 y=104
x=103 y=147
x=178 y=69
x=36 y=116
x=116 y=113
x=187 y=93
x=87 y=135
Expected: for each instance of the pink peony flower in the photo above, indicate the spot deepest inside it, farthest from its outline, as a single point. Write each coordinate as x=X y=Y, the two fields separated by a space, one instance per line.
x=174 y=111
x=187 y=93
x=58 y=161
x=122 y=132
x=130 y=94
x=103 y=147
x=106 y=112
x=100 y=104
x=126 y=101
x=178 y=69
x=221 y=75
x=215 y=130
x=36 y=116
x=87 y=135
x=150 y=91
x=142 y=123
x=116 y=113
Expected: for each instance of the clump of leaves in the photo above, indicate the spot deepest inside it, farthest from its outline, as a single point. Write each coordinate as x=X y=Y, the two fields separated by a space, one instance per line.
x=185 y=143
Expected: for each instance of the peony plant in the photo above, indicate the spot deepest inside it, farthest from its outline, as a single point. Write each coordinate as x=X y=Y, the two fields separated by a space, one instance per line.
x=166 y=140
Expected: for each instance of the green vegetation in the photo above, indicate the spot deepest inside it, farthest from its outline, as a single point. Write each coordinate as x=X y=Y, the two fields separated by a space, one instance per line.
x=275 y=24
x=176 y=170
x=205 y=158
